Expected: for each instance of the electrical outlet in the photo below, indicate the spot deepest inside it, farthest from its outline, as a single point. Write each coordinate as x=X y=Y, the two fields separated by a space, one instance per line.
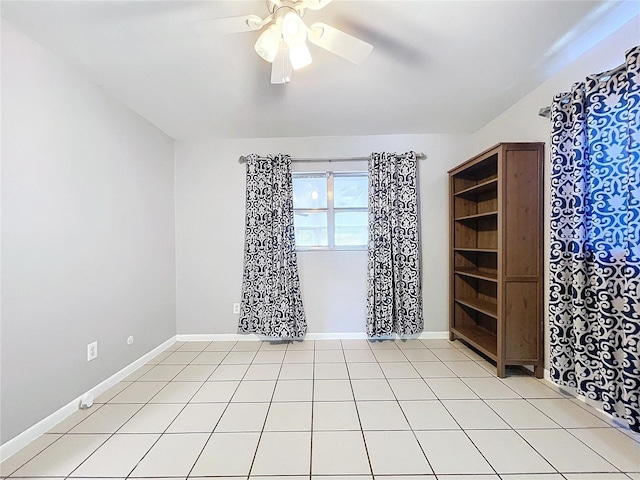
x=236 y=308
x=92 y=351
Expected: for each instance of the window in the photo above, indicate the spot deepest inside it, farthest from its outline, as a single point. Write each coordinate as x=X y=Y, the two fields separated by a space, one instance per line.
x=330 y=210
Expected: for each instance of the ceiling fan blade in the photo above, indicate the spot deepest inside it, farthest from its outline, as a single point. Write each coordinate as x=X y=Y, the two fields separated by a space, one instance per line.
x=281 y=68
x=338 y=42
x=316 y=4
x=223 y=26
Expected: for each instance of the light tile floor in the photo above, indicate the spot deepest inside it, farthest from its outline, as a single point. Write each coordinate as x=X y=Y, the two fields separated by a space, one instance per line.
x=331 y=410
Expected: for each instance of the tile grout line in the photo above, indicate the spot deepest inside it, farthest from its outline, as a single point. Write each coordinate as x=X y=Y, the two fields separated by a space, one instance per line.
x=60 y=435
x=255 y=454
x=313 y=379
x=560 y=427
x=593 y=450
x=510 y=428
x=313 y=393
x=112 y=434
x=483 y=400
x=164 y=432
x=355 y=403
x=143 y=404
x=171 y=423
x=204 y=446
x=403 y=412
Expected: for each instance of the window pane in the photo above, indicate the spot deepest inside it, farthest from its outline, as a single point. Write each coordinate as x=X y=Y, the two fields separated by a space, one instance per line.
x=351 y=228
x=309 y=191
x=350 y=191
x=311 y=229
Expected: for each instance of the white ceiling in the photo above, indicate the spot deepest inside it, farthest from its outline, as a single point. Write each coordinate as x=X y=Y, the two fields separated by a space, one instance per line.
x=436 y=67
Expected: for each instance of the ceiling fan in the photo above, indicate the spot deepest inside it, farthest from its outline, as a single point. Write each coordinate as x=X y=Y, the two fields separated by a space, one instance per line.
x=283 y=41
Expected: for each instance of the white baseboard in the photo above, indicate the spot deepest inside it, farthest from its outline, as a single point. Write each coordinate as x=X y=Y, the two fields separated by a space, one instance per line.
x=243 y=337
x=434 y=335
x=25 y=438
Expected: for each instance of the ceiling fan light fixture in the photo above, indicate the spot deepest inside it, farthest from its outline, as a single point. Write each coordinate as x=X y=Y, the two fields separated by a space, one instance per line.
x=283 y=39
x=268 y=43
x=281 y=68
x=300 y=56
x=294 y=31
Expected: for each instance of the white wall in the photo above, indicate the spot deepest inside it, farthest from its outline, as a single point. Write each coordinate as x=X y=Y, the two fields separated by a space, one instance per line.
x=87 y=234
x=521 y=122
x=210 y=202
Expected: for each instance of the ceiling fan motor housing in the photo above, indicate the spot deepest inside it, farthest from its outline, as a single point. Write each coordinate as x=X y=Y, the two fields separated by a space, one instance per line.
x=299 y=6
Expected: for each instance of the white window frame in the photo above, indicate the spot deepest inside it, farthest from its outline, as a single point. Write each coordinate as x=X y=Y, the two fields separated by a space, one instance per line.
x=331 y=210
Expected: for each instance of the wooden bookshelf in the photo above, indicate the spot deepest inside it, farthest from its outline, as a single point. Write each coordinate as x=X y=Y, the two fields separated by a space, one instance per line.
x=496 y=254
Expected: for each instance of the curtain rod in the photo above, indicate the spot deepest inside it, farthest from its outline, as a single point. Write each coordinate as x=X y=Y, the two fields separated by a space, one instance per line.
x=546 y=111
x=419 y=156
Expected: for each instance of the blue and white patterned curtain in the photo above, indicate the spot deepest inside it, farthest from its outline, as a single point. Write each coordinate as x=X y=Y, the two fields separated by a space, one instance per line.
x=271 y=297
x=394 y=298
x=595 y=240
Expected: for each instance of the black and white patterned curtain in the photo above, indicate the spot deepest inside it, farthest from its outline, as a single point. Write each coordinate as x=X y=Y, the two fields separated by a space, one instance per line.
x=394 y=298
x=594 y=309
x=271 y=297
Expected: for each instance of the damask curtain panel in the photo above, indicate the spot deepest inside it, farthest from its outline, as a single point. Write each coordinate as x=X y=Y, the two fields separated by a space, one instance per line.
x=394 y=298
x=271 y=298
x=595 y=240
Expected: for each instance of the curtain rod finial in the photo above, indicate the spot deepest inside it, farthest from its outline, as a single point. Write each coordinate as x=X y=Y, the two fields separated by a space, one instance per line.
x=242 y=159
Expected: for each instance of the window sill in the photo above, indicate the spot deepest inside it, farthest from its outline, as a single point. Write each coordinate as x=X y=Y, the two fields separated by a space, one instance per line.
x=358 y=248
